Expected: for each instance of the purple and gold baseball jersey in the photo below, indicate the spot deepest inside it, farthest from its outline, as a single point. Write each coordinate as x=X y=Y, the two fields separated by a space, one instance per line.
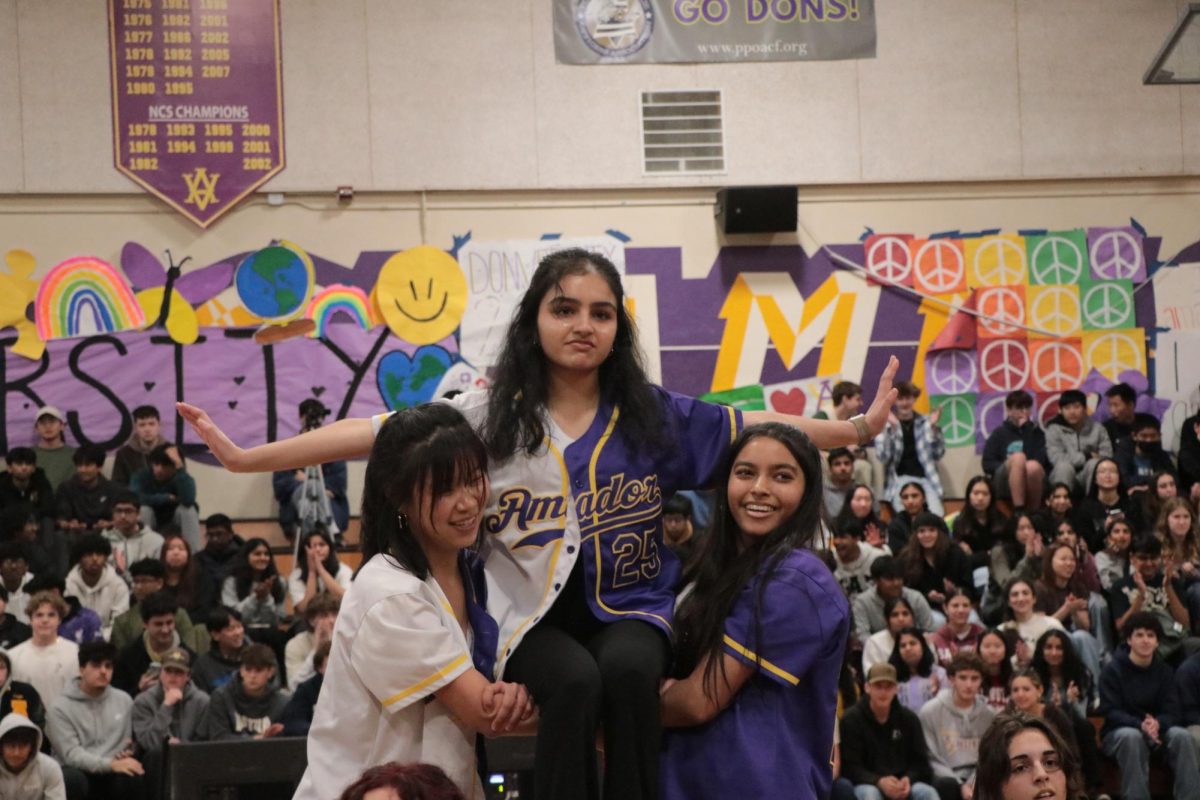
x=775 y=738
x=597 y=499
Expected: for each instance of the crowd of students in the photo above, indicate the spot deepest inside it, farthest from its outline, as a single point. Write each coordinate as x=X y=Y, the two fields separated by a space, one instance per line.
x=121 y=631
x=1067 y=587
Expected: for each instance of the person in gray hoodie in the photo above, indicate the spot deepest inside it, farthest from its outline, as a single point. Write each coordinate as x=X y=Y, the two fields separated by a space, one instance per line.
x=1075 y=443
x=954 y=722
x=170 y=710
x=26 y=773
x=251 y=705
x=91 y=731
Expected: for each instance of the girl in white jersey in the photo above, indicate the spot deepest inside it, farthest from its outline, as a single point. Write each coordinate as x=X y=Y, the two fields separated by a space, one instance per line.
x=401 y=683
x=584 y=451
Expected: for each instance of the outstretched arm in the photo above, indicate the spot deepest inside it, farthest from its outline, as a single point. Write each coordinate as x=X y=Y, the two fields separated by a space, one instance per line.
x=827 y=434
x=346 y=438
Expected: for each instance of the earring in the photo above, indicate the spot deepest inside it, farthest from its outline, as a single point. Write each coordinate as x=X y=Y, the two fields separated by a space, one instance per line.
x=403 y=520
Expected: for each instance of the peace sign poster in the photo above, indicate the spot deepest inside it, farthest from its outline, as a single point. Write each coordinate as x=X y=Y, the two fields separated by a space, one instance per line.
x=197 y=95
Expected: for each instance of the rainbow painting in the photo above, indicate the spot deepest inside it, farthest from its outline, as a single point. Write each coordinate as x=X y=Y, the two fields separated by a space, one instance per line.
x=84 y=296
x=337 y=299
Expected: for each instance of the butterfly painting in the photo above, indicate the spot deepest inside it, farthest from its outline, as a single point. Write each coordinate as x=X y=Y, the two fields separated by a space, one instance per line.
x=167 y=296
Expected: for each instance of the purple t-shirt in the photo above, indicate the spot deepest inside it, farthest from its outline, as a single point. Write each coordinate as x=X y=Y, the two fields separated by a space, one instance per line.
x=775 y=739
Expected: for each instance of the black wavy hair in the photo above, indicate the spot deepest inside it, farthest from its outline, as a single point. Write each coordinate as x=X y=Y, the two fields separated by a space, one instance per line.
x=924 y=668
x=520 y=389
x=332 y=565
x=430 y=446
x=244 y=577
x=1072 y=667
x=724 y=567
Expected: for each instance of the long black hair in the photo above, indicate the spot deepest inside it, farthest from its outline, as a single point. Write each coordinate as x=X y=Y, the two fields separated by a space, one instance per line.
x=245 y=577
x=924 y=667
x=427 y=447
x=1072 y=667
x=723 y=568
x=332 y=565
x=845 y=517
x=517 y=398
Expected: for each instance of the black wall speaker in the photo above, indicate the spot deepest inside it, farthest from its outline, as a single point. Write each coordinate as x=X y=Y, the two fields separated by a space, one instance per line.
x=757 y=209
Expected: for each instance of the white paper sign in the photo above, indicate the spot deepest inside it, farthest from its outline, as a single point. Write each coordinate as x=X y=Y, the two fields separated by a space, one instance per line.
x=498 y=274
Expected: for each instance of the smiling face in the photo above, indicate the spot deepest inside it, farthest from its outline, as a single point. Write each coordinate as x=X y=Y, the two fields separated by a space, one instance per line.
x=1024 y=694
x=1063 y=563
x=1035 y=769
x=1020 y=599
x=1059 y=500
x=422 y=294
x=259 y=558
x=1120 y=535
x=577 y=323
x=451 y=522
x=958 y=610
x=861 y=502
x=927 y=536
x=1052 y=651
x=765 y=487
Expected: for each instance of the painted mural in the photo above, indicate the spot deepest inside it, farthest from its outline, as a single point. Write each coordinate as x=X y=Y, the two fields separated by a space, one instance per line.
x=971 y=315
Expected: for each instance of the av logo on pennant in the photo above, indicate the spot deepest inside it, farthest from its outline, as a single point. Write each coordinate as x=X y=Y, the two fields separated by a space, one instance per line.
x=202 y=187
x=1001 y=311
x=1054 y=311
x=938 y=265
x=1057 y=365
x=996 y=260
x=889 y=258
x=1003 y=365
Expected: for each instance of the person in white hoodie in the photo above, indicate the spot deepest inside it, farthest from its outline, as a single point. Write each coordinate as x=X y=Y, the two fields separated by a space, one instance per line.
x=131 y=540
x=96 y=582
x=26 y=773
x=854 y=558
x=954 y=722
x=90 y=728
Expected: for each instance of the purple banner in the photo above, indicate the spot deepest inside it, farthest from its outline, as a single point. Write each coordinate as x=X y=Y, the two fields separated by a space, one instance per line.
x=197 y=93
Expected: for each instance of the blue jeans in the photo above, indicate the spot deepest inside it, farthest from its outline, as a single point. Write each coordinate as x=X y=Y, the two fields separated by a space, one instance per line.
x=1131 y=750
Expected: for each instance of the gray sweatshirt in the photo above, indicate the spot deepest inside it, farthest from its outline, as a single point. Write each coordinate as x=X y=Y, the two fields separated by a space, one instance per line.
x=952 y=735
x=42 y=777
x=87 y=732
x=154 y=723
x=1063 y=443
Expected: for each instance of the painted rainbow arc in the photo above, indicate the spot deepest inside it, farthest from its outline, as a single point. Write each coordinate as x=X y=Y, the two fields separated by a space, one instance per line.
x=84 y=296
x=337 y=299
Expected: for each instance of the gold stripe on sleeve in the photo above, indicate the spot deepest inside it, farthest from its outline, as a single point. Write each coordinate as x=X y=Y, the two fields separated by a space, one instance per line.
x=767 y=665
x=434 y=678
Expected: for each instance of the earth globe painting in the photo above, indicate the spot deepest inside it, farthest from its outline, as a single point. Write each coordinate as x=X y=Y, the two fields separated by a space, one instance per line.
x=275 y=283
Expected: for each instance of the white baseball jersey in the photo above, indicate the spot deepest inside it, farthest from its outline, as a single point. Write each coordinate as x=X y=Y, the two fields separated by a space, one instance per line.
x=598 y=498
x=395 y=643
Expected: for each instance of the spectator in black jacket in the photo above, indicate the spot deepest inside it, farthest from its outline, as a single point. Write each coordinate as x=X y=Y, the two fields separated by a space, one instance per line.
x=1140 y=705
x=1141 y=455
x=1189 y=458
x=1015 y=454
x=888 y=744
x=25 y=482
x=298 y=713
x=218 y=558
x=12 y=630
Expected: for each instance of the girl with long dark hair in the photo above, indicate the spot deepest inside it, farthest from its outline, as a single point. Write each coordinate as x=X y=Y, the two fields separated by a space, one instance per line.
x=980 y=524
x=761 y=636
x=860 y=507
x=1105 y=498
x=184 y=579
x=912 y=502
x=878 y=649
x=254 y=587
x=408 y=677
x=1066 y=680
x=919 y=677
x=933 y=566
x=319 y=570
x=996 y=650
x=583 y=450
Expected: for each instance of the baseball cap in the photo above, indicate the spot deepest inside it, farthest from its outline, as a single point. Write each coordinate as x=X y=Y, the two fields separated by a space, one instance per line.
x=178 y=658
x=51 y=411
x=882 y=673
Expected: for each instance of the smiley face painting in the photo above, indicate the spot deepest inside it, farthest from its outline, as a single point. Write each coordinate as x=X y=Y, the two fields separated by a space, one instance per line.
x=422 y=294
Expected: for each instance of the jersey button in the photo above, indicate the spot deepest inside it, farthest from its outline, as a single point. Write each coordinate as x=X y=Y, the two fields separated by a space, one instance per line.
x=570 y=548
x=557 y=586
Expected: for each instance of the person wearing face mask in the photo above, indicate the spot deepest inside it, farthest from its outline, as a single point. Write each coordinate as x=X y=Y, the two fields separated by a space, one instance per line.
x=1141 y=456
x=1074 y=442
x=1015 y=454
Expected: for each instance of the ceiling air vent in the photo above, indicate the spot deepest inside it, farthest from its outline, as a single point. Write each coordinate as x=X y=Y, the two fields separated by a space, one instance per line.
x=681 y=132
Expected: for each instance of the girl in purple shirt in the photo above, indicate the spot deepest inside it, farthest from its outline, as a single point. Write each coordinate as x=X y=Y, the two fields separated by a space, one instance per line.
x=760 y=636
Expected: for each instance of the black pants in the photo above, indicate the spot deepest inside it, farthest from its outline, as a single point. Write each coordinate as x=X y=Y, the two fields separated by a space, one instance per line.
x=107 y=786
x=583 y=673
